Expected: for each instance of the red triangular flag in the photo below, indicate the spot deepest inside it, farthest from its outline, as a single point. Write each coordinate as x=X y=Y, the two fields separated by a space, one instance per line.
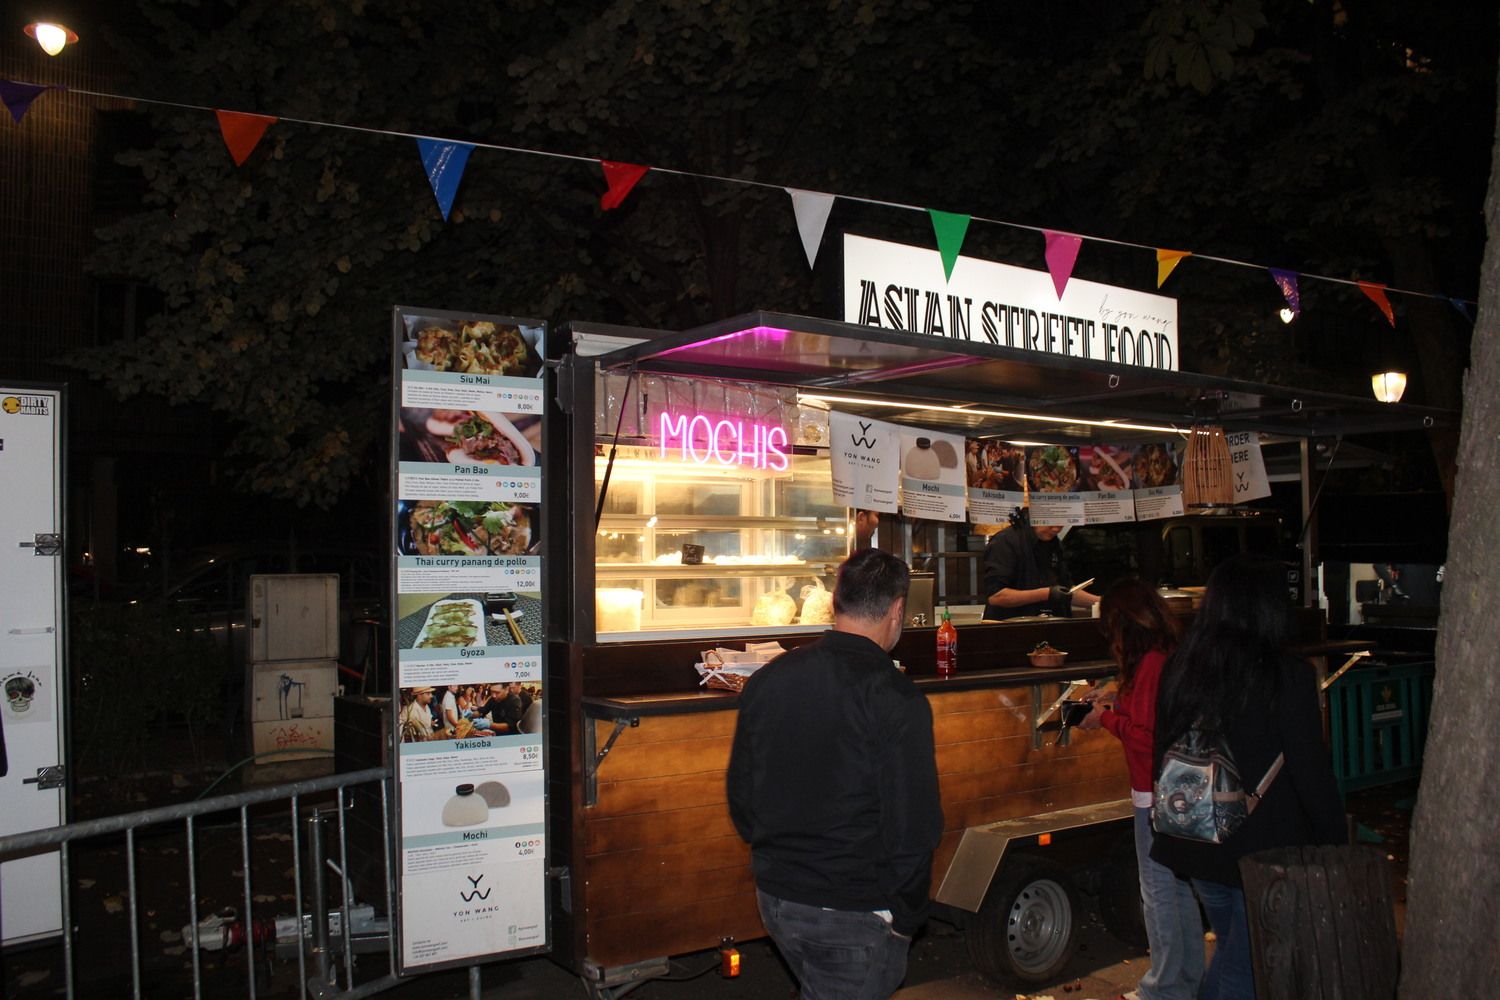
x=241 y=132
x=1062 y=254
x=620 y=177
x=1376 y=292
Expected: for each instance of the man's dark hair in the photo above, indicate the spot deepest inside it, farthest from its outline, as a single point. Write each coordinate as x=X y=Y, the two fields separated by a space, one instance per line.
x=869 y=582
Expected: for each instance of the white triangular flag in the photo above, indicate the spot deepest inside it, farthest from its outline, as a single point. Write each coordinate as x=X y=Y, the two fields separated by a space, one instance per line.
x=811 y=209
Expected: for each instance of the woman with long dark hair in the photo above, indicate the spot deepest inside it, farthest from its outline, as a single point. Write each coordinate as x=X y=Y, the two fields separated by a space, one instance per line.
x=1233 y=676
x=1142 y=633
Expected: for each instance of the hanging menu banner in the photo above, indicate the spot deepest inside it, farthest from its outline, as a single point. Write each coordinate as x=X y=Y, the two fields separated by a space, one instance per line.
x=932 y=477
x=864 y=454
x=468 y=637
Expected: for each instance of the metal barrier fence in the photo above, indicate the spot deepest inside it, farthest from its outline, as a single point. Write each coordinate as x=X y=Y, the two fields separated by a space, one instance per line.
x=312 y=922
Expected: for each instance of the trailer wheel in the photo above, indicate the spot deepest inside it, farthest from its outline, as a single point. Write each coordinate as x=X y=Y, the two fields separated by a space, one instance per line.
x=1120 y=895
x=1027 y=929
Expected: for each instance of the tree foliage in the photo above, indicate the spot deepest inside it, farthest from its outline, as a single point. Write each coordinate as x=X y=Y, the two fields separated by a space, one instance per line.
x=1319 y=137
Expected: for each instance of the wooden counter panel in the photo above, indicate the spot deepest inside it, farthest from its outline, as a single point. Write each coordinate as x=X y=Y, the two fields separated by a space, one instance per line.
x=619 y=939
x=671 y=728
x=629 y=759
x=1013 y=751
x=995 y=720
x=646 y=894
x=658 y=794
x=1028 y=801
x=623 y=833
x=668 y=861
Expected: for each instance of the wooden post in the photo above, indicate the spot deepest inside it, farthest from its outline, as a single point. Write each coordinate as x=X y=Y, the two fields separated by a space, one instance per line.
x=1322 y=923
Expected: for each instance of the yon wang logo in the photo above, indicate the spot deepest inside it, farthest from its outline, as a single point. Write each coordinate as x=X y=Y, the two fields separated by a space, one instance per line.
x=469 y=897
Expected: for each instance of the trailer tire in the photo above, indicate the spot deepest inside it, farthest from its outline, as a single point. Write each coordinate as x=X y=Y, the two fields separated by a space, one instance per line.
x=1027 y=930
x=1120 y=896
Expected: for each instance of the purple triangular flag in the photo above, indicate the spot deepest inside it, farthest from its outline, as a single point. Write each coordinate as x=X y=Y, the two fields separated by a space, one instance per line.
x=444 y=163
x=18 y=96
x=1287 y=282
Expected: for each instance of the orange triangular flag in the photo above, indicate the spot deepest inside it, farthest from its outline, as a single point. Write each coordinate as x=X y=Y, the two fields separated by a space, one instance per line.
x=620 y=177
x=1166 y=260
x=1376 y=292
x=242 y=132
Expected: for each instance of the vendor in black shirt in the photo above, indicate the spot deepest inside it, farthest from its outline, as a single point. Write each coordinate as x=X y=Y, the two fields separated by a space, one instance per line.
x=1025 y=573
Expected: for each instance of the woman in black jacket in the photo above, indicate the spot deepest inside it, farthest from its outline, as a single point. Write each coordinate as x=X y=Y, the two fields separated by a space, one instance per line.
x=1233 y=675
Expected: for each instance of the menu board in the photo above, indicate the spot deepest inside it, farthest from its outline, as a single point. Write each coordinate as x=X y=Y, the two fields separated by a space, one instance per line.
x=468 y=643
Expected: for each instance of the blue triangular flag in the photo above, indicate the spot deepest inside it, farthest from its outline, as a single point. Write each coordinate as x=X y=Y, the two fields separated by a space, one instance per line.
x=444 y=163
x=1463 y=308
x=18 y=96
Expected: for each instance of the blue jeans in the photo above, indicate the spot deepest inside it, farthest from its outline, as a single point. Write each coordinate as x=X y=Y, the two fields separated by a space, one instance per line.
x=1173 y=927
x=1230 y=975
x=836 y=954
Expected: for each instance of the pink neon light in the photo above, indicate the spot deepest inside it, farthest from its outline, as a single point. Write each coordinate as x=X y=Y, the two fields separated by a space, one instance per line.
x=723 y=441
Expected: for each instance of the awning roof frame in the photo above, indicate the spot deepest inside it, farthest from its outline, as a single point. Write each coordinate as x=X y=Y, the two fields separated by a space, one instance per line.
x=875 y=368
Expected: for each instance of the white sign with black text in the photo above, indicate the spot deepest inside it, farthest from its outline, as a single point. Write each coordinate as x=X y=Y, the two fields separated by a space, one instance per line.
x=902 y=288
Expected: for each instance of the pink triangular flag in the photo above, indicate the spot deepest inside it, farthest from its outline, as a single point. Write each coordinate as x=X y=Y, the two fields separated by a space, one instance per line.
x=620 y=177
x=242 y=132
x=811 y=209
x=1062 y=254
x=1376 y=292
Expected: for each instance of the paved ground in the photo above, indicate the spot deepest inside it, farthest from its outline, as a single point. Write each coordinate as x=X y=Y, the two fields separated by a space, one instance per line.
x=939 y=969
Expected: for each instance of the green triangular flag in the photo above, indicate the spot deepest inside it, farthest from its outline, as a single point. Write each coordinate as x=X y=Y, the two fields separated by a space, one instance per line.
x=950 y=229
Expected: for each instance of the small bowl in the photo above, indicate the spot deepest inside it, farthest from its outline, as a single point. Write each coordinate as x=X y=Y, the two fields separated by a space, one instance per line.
x=1047 y=659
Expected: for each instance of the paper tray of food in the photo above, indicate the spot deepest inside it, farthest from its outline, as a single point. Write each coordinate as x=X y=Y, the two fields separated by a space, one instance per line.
x=728 y=669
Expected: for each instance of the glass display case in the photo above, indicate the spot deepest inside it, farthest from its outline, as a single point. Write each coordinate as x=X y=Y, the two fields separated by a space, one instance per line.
x=683 y=546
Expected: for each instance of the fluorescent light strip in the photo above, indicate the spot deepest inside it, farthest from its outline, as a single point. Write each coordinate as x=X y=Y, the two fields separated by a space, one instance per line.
x=1002 y=414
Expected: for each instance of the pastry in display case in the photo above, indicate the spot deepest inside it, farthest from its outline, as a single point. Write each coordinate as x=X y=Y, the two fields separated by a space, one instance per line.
x=683 y=547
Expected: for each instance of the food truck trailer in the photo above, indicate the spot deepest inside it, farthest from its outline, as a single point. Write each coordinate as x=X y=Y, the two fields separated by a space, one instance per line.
x=646 y=514
x=648 y=864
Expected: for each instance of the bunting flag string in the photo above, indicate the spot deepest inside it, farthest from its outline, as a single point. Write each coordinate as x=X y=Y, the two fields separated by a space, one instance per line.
x=1166 y=263
x=1287 y=282
x=950 y=229
x=1061 y=254
x=17 y=97
x=1376 y=292
x=242 y=132
x=622 y=177
x=444 y=163
x=810 y=208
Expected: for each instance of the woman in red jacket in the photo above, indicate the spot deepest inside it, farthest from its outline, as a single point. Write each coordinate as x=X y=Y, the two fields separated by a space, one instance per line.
x=1141 y=633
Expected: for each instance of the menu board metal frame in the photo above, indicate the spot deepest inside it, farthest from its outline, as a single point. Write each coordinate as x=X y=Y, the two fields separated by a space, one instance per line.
x=470 y=804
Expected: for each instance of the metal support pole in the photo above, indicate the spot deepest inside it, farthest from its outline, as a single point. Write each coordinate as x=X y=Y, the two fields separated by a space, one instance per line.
x=315 y=866
x=473 y=982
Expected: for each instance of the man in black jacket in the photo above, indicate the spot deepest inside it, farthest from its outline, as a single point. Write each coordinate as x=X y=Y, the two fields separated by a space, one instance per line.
x=833 y=783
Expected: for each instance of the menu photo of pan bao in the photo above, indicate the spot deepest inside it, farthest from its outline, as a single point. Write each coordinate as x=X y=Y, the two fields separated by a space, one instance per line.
x=1106 y=467
x=475 y=347
x=466 y=528
x=468 y=437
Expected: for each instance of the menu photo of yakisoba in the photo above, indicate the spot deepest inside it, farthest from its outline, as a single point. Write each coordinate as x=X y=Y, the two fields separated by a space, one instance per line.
x=470 y=711
x=473 y=347
x=469 y=437
x=994 y=465
x=467 y=528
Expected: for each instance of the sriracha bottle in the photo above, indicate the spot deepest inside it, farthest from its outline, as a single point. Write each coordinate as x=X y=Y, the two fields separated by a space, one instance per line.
x=947 y=646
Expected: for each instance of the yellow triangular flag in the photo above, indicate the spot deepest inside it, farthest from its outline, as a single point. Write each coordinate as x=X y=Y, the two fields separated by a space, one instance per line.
x=1166 y=260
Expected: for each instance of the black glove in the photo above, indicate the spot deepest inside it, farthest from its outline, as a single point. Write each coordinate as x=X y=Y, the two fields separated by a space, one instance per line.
x=1059 y=595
